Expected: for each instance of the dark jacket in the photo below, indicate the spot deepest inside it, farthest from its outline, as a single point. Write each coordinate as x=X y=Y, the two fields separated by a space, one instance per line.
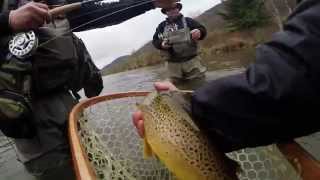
x=4 y=23
x=50 y=119
x=277 y=98
x=92 y=11
x=192 y=24
x=114 y=13
x=91 y=15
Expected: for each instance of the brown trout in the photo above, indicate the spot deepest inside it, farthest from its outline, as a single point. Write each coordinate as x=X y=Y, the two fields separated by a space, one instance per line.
x=171 y=136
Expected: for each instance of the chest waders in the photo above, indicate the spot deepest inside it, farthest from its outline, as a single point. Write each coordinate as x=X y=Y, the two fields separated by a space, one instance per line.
x=180 y=39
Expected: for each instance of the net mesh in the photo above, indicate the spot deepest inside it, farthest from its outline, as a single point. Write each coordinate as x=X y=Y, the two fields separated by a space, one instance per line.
x=112 y=145
x=116 y=152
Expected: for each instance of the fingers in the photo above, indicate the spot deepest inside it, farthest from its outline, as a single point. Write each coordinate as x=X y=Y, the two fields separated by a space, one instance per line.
x=194 y=30
x=37 y=20
x=165 y=44
x=138 y=122
x=164 y=86
x=136 y=117
x=196 y=34
x=42 y=6
x=29 y=16
x=37 y=12
x=161 y=86
x=140 y=128
x=42 y=11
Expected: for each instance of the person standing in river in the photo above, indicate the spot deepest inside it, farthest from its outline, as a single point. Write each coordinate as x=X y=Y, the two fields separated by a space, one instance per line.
x=179 y=36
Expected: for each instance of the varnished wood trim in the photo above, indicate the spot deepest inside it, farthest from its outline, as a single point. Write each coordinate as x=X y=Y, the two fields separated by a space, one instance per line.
x=81 y=164
x=303 y=162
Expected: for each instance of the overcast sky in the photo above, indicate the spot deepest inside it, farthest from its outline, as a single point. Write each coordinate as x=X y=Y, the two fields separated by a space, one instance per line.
x=106 y=44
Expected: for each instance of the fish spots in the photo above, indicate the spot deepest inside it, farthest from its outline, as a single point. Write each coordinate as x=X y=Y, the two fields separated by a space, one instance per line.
x=174 y=130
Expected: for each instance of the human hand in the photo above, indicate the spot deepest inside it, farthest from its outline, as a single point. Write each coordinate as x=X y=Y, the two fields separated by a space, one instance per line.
x=164 y=3
x=165 y=86
x=165 y=44
x=195 y=34
x=30 y=16
x=138 y=116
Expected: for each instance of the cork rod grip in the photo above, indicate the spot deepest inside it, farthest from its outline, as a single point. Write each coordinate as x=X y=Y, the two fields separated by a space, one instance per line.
x=64 y=9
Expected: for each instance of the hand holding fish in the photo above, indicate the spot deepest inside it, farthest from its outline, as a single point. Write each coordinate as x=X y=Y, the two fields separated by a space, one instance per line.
x=30 y=16
x=170 y=134
x=138 y=116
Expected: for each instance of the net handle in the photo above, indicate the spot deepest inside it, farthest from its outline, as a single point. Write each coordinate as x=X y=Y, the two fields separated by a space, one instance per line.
x=306 y=166
x=81 y=164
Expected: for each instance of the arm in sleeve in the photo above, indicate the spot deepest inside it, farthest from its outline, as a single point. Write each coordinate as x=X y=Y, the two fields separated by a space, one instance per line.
x=277 y=98
x=193 y=24
x=156 y=40
x=4 y=23
x=111 y=11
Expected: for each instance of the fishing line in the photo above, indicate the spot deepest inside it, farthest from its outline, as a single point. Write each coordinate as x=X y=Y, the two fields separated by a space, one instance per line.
x=95 y=20
x=97 y=10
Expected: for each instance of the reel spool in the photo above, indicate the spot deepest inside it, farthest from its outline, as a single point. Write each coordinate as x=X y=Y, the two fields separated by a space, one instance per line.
x=23 y=44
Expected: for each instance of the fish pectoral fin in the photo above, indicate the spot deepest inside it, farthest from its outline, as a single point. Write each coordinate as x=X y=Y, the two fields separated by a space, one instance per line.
x=147 y=151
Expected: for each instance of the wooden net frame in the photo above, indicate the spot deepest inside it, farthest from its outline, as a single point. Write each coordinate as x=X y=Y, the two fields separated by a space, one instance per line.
x=304 y=163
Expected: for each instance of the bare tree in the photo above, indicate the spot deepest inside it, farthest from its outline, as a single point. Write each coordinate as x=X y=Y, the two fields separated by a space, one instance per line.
x=288 y=6
x=270 y=4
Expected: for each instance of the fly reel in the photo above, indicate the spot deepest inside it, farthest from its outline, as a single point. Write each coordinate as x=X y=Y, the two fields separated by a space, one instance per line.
x=22 y=45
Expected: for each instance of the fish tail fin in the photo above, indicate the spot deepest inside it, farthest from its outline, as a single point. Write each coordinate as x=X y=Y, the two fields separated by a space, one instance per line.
x=147 y=151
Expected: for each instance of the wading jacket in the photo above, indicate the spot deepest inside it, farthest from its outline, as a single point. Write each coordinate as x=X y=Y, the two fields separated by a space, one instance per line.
x=277 y=98
x=89 y=12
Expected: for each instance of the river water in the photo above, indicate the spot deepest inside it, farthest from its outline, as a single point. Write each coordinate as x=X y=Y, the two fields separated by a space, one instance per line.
x=143 y=79
x=136 y=80
x=253 y=161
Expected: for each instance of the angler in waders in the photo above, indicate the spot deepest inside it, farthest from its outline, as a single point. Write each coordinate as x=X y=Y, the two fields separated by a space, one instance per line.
x=39 y=84
x=179 y=36
x=275 y=100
